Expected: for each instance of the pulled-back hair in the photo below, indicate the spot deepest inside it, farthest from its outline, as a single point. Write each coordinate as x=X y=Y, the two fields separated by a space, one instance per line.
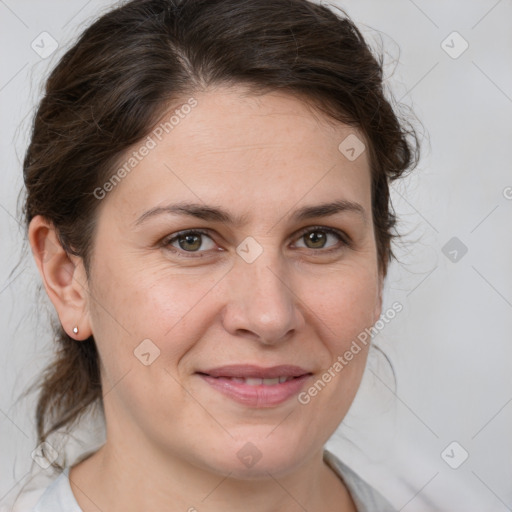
x=107 y=92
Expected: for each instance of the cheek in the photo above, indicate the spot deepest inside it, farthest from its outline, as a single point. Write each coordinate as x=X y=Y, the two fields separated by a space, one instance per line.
x=342 y=310
x=148 y=303
x=163 y=304
x=346 y=308
x=345 y=301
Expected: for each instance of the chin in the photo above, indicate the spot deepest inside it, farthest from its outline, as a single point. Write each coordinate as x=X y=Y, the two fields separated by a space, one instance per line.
x=254 y=457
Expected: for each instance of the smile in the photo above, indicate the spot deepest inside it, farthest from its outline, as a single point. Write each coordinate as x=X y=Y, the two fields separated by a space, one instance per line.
x=256 y=386
x=251 y=381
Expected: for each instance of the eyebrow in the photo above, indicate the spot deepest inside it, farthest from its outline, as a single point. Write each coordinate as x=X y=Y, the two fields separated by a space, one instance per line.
x=216 y=214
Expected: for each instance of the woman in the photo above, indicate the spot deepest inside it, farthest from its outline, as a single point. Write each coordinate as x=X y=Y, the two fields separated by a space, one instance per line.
x=208 y=207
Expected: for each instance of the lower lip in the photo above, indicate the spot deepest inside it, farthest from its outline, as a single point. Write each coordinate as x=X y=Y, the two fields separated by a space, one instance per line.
x=257 y=396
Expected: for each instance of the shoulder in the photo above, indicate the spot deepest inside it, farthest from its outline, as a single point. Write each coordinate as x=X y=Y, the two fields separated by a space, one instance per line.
x=364 y=495
x=58 y=496
x=55 y=497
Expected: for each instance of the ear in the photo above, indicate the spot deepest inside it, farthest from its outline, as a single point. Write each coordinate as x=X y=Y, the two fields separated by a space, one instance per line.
x=378 y=301
x=63 y=276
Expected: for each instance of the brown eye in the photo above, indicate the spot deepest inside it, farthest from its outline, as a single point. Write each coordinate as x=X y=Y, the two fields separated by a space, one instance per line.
x=190 y=241
x=318 y=238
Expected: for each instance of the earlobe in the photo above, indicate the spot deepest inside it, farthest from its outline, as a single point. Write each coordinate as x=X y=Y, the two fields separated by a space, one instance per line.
x=63 y=277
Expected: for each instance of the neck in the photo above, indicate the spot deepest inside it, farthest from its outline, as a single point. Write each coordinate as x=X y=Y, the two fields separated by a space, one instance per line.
x=119 y=479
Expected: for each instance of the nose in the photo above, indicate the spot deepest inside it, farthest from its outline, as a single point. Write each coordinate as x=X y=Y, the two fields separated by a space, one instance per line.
x=261 y=303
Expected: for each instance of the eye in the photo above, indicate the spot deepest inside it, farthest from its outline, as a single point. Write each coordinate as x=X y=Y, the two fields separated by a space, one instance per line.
x=316 y=237
x=193 y=241
x=189 y=241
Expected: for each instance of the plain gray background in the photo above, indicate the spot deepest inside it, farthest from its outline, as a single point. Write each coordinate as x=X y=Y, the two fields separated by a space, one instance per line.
x=450 y=346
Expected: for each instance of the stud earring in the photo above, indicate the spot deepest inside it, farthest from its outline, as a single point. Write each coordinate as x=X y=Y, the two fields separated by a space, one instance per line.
x=75 y=329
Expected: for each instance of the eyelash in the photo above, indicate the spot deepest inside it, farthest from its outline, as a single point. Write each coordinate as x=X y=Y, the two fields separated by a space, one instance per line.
x=343 y=238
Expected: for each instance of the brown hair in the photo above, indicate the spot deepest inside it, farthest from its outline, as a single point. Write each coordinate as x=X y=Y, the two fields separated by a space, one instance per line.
x=111 y=87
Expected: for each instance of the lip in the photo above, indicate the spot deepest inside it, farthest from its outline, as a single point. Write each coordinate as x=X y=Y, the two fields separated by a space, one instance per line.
x=258 y=396
x=257 y=372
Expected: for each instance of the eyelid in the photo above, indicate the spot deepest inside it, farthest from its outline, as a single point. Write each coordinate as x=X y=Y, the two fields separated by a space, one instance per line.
x=343 y=237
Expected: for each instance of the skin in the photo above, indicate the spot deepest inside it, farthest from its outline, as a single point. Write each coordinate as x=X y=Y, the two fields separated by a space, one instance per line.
x=172 y=440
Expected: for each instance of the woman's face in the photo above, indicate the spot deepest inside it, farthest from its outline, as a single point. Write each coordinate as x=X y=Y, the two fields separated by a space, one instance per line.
x=182 y=321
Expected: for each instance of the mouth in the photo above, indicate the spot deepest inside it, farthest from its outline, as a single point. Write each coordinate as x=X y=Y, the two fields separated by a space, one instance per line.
x=256 y=386
x=254 y=381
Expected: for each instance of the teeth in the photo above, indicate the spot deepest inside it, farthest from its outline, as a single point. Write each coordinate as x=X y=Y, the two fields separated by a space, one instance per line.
x=251 y=381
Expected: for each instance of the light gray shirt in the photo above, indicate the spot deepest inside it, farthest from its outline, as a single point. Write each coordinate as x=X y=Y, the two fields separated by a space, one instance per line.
x=366 y=498
x=58 y=496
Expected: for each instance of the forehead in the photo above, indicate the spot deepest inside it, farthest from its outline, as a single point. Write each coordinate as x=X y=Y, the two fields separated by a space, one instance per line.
x=248 y=150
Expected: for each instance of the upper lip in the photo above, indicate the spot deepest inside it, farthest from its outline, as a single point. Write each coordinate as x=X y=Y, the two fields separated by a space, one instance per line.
x=256 y=372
